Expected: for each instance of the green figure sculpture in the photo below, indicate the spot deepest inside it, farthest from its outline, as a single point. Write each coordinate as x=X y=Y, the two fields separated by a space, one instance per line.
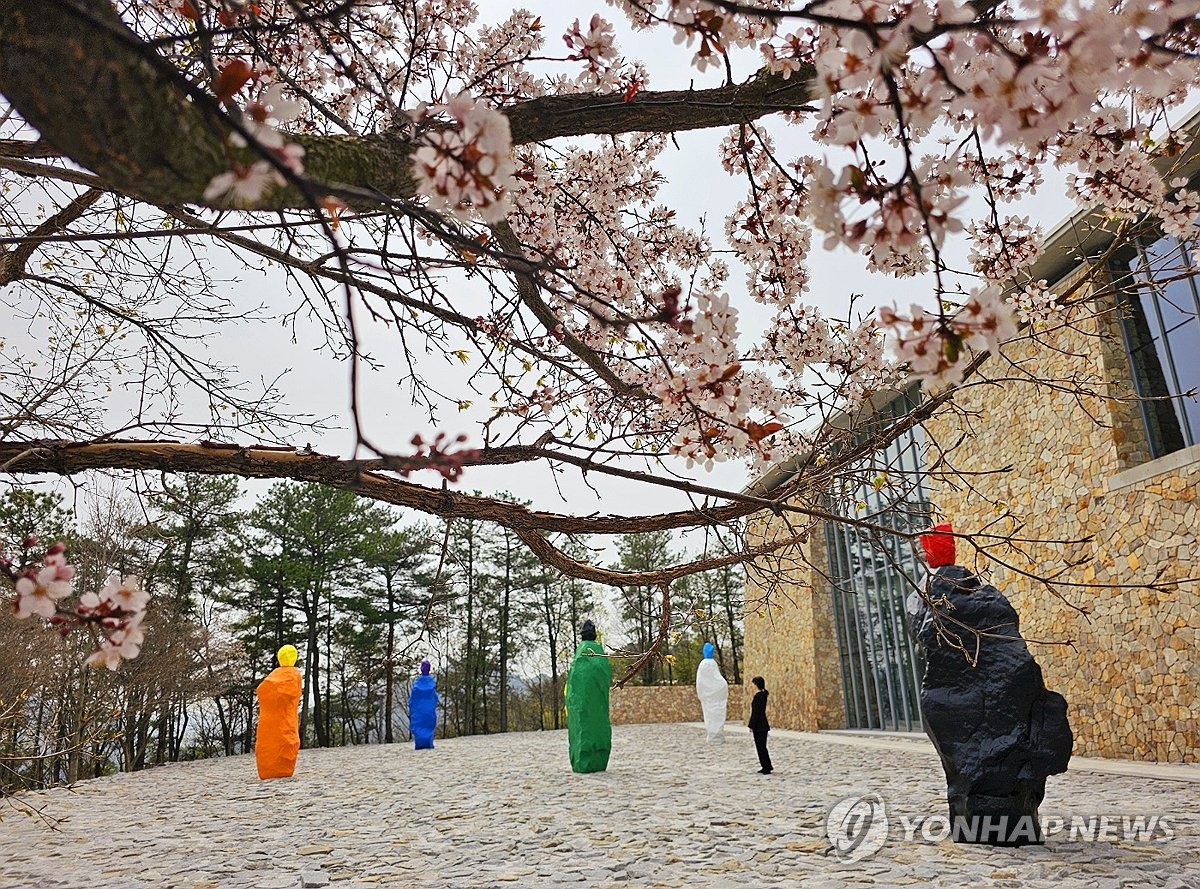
x=588 y=729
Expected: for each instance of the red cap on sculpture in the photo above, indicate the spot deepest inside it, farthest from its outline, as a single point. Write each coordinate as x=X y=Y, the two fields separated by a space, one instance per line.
x=939 y=545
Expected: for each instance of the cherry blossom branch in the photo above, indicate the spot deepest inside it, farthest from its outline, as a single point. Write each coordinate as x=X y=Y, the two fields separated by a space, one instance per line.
x=664 y=628
x=26 y=148
x=529 y=289
x=114 y=615
x=60 y=59
x=362 y=476
x=366 y=478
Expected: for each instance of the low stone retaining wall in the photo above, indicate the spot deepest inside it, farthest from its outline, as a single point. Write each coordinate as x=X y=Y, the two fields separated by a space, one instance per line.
x=666 y=703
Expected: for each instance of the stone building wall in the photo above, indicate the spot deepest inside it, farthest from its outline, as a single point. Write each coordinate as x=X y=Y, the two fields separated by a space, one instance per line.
x=667 y=703
x=1071 y=476
x=789 y=635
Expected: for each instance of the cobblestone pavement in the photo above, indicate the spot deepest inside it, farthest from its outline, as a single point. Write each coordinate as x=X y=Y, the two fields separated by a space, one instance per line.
x=506 y=810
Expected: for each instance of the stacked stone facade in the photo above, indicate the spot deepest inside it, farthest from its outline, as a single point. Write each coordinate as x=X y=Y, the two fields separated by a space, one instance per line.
x=634 y=704
x=790 y=638
x=1070 y=475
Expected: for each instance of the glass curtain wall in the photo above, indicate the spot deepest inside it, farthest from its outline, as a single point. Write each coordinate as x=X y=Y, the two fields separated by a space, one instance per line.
x=1160 y=320
x=873 y=574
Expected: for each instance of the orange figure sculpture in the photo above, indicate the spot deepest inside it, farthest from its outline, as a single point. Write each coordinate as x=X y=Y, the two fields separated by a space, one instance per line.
x=278 y=739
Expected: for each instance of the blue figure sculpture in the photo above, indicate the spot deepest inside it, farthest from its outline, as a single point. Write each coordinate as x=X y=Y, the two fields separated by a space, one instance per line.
x=422 y=709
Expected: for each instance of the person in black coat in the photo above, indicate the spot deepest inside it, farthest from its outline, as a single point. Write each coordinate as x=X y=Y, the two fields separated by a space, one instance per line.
x=759 y=725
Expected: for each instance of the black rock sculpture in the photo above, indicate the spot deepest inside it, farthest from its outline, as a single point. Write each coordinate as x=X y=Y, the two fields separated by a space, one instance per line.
x=999 y=732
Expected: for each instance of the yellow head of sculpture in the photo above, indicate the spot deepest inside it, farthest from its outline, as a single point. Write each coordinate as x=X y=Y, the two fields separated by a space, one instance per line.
x=287 y=656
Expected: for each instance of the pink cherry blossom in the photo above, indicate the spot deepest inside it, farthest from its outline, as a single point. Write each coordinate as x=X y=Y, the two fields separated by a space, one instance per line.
x=114 y=615
x=596 y=47
x=123 y=640
x=1035 y=303
x=1181 y=211
x=109 y=654
x=467 y=169
x=243 y=186
x=39 y=593
x=246 y=184
x=934 y=346
x=125 y=593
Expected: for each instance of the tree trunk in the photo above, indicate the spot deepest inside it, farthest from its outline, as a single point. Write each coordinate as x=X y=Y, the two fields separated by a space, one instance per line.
x=314 y=670
x=161 y=732
x=368 y=703
x=504 y=629
x=226 y=736
x=182 y=723
x=730 y=621
x=345 y=698
x=64 y=66
x=389 y=667
x=142 y=737
x=279 y=605
x=39 y=764
x=328 y=673
x=552 y=645
x=251 y=700
x=469 y=687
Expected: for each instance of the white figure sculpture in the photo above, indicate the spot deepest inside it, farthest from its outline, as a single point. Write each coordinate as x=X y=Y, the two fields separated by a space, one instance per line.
x=713 y=692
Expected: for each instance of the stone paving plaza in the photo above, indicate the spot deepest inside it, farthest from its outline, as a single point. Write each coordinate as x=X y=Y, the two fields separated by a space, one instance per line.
x=506 y=810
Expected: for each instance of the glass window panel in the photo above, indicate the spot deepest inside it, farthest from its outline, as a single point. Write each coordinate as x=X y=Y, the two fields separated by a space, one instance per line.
x=1181 y=318
x=1162 y=335
x=1176 y=306
x=1191 y=412
x=1184 y=342
x=1153 y=321
x=1161 y=257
